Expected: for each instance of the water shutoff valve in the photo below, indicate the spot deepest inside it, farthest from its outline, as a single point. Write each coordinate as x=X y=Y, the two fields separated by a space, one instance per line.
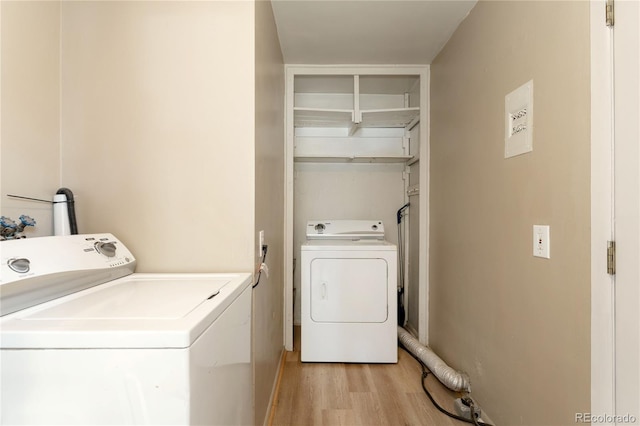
x=27 y=221
x=9 y=229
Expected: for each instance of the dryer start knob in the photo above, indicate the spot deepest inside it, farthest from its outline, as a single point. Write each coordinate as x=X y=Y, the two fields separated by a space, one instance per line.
x=320 y=228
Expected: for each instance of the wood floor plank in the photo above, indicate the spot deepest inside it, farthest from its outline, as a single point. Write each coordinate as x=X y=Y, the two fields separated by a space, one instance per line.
x=338 y=417
x=358 y=378
x=336 y=394
x=368 y=409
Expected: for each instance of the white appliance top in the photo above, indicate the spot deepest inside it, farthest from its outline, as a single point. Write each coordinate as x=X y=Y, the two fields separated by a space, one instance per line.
x=79 y=291
x=345 y=230
x=136 y=311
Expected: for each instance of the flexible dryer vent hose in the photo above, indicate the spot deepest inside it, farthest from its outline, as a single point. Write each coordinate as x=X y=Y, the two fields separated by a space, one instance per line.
x=454 y=380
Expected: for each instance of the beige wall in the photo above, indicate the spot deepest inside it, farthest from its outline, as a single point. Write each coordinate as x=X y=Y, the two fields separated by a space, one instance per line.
x=158 y=129
x=269 y=206
x=518 y=325
x=30 y=133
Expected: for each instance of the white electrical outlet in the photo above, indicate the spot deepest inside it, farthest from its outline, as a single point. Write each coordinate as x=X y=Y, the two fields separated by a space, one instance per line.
x=541 y=242
x=260 y=243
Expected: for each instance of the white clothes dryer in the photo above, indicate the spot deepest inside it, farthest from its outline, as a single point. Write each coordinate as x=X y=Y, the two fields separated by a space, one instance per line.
x=83 y=340
x=348 y=292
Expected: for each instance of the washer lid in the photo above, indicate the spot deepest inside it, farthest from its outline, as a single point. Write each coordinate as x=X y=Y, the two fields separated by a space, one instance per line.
x=137 y=311
x=135 y=299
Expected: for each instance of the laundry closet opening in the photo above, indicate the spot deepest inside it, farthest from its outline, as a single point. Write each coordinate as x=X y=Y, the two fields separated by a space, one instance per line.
x=357 y=149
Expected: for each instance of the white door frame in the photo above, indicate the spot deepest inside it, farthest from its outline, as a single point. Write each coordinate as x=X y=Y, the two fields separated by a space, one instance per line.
x=290 y=72
x=611 y=131
x=627 y=208
x=602 y=296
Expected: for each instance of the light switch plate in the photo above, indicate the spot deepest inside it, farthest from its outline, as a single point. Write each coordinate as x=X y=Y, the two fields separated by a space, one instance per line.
x=518 y=121
x=541 y=242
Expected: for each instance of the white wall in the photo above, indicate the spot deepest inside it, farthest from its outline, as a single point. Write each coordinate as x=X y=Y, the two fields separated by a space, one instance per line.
x=30 y=132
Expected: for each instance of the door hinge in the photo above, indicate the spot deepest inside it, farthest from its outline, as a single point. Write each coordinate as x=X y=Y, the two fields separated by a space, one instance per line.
x=609 y=14
x=611 y=257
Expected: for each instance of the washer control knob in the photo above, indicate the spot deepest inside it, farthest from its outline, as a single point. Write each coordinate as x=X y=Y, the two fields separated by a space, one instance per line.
x=320 y=228
x=374 y=227
x=107 y=248
x=21 y=265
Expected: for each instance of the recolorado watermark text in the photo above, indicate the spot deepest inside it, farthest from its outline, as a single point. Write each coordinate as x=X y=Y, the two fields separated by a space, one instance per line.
x=605 y=418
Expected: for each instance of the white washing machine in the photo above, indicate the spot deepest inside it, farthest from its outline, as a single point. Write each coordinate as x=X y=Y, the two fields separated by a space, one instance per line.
x=83 y=340
x=349 y=293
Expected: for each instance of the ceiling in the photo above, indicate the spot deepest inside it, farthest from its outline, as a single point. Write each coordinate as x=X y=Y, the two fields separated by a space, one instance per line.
x=366 y=31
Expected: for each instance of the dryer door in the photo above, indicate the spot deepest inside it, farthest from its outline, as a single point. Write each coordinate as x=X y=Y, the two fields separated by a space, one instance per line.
x=349 y=290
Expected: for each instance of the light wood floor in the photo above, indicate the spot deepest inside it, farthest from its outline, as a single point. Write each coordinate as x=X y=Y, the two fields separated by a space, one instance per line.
x=358 y=394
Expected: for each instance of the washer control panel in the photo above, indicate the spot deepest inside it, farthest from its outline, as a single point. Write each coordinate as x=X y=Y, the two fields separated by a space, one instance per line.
x=48 y=255
x=33 y=270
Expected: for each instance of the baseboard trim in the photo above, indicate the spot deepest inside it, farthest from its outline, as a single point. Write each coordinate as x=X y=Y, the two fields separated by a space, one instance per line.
x=273 y=402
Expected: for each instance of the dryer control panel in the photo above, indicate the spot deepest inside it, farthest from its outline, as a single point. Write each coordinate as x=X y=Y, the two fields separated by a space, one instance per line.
x=345 y=230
